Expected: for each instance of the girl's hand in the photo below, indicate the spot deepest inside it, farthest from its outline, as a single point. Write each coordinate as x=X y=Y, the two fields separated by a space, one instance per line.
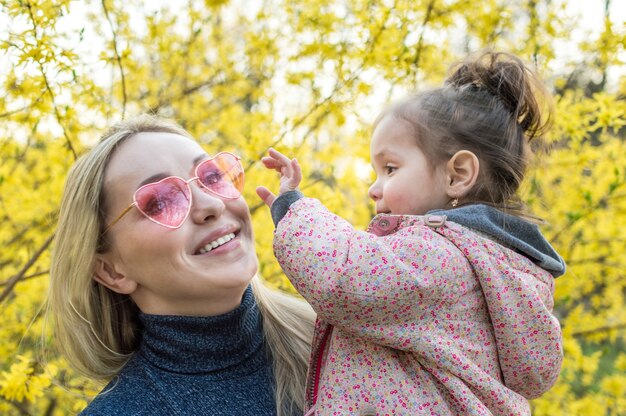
x=290 y=175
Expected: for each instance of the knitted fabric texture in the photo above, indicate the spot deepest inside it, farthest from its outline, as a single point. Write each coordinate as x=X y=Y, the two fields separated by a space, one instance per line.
x=195 y=366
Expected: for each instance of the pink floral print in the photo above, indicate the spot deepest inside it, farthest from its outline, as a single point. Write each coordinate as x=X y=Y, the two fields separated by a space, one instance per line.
x=419 y=316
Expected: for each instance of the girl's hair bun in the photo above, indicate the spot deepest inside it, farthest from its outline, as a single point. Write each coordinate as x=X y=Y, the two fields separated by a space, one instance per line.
x=506 y=77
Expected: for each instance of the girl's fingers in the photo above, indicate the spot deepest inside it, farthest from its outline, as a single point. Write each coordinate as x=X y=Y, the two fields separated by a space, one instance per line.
x=266 y=195
x=271 y=163
x=279 y=162
x=279 y=156
x=297 y=172
x=289 y=169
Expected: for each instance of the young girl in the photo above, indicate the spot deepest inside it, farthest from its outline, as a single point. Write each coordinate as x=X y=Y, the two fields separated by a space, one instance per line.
x=444 y=305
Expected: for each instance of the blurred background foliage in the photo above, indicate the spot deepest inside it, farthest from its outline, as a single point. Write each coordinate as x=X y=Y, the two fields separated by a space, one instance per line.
x=308 y=77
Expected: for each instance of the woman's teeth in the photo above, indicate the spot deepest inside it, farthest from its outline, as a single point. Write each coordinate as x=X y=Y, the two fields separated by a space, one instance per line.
x=214 y=244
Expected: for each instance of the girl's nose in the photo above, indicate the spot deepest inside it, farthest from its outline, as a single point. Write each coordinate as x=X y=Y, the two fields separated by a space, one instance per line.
x=375 y=191
x=205 y=205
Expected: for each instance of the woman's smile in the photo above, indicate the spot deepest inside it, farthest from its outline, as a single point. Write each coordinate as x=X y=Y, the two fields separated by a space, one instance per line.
x=217 y=238
x=216 y=243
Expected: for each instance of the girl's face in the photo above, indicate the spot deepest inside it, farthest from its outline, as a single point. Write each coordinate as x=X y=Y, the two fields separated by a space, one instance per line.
x=406 y=183
x=168 y=271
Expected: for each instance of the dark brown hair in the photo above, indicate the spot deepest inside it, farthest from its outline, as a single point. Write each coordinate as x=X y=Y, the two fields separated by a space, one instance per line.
x=492 y=105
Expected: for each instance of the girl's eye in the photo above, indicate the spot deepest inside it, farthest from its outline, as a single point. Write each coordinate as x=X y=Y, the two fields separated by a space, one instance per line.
x=389 y=169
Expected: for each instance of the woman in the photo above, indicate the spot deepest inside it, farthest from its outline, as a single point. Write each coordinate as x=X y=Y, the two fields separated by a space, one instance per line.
x=154 y=288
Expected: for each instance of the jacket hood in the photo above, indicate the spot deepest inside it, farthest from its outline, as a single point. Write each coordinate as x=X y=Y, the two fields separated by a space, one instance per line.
x=512 y=231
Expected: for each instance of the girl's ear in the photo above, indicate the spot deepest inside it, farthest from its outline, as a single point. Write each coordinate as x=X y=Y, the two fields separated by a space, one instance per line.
x=106 y=274
x=462 y=171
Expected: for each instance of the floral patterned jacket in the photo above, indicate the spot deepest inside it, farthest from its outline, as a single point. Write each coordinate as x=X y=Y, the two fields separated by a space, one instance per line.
x=419 y=315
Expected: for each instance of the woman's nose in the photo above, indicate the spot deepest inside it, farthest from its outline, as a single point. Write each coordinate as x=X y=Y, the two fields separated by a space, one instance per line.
x=205 y=205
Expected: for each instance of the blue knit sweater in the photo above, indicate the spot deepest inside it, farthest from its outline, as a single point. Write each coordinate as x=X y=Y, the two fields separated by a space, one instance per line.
x=195 y=366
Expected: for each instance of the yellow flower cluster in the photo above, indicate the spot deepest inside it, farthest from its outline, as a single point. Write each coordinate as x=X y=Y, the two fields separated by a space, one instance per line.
x=24 y=381
x=308 y=77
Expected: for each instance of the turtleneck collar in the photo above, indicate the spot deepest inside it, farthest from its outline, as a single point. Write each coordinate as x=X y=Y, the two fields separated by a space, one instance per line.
x=193 y=345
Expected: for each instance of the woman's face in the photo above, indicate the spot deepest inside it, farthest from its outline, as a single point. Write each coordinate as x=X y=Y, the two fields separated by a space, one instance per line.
x=168 y=271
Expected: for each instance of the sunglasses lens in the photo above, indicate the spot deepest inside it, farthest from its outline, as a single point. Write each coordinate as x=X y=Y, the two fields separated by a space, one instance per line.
x=222 y=175
x=165 y=202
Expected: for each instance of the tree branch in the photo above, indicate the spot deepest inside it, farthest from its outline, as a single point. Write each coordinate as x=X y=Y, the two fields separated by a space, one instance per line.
x=51 y=406
x=30 y=276
x=214 y=81
x=48 y=87
x=591 y=210
x=599 y=330
x=338 y=86
x=420 y=42
x=19 y=110
x=19 y=406
x=10 y=284
x=118 y=58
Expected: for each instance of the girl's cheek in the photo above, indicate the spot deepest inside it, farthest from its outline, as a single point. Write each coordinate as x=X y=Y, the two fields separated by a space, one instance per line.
x=391 y=201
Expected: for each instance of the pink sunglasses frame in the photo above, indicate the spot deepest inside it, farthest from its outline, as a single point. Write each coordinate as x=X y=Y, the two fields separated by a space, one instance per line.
x=187 y=182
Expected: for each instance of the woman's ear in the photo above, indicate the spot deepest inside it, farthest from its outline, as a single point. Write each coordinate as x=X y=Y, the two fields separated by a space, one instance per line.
x=106 y=274
x=462 y=171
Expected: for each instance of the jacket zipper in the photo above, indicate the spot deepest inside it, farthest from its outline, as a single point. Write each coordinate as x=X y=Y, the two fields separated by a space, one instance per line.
x=317 y=361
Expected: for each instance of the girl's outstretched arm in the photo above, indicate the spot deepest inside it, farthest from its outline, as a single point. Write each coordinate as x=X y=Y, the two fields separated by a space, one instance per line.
x=290 y=175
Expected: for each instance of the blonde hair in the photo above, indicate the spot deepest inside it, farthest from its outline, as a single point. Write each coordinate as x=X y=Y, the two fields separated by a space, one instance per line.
x=97 y=329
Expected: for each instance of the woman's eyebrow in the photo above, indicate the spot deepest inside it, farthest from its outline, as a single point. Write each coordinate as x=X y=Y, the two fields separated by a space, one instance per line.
x=158 y=176
x=200 y=158
x=154 y=178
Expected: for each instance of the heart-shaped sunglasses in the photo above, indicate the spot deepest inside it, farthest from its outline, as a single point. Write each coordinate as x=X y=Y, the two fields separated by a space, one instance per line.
x=168 y=201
